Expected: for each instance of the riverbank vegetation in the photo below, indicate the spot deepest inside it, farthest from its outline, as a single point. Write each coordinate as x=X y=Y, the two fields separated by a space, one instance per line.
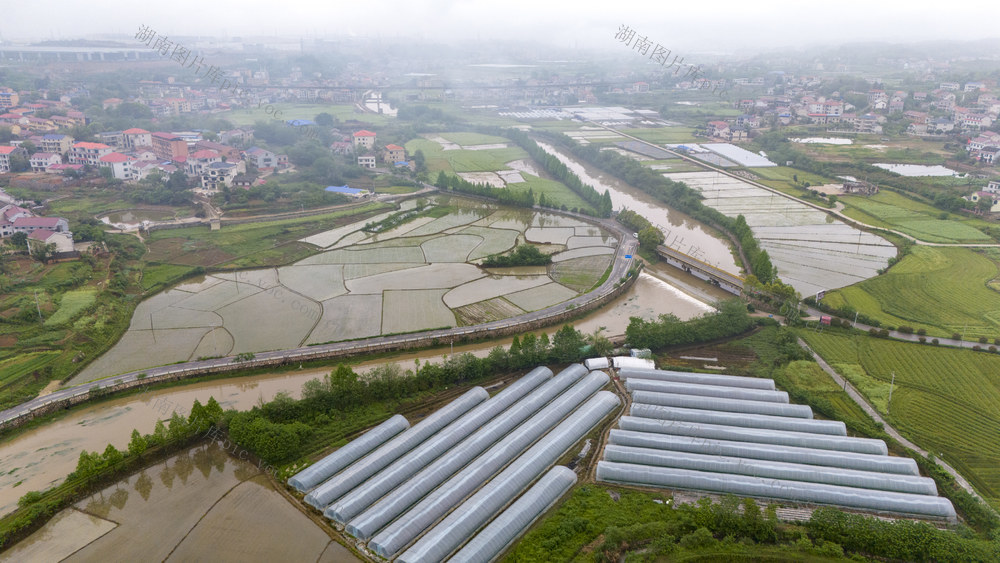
x=523 y=255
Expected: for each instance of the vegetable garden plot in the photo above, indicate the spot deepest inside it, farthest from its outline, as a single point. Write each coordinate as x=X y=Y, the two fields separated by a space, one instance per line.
x=581 y=274
x=487 y=311
x=413 y=310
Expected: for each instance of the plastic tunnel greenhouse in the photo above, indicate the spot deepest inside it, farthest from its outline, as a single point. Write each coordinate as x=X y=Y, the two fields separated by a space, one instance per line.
x=513 y=521
x=375 y=517
x=405 y=467
x=755 y=435
x=762 y=421
x=410 y=525
x=468 y=517
x=322 y=470
x=636 y=384
x=353 y=475
x=743 y=485
x=721 y=404
x=699 y=378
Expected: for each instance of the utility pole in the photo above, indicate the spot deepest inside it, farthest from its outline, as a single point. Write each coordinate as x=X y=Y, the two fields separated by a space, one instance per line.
x=891 y=385
x=855 y=325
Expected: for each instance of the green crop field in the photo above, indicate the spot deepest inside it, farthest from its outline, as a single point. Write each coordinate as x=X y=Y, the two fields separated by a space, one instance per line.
x=556 y=193
x=662 y=135
x=946 y=400
x=71 y=304
x=943 y=290
x=889 y=209
x=466 y=139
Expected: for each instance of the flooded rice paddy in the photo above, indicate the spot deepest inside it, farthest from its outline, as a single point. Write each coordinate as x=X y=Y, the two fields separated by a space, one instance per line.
x=917 y=169
x=416 y=277
x=42 y=457
x=199 y=501
x=812 y=250
x=682 y=232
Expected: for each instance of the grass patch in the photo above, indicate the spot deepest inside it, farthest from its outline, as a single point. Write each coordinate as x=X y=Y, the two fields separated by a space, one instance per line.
x=556 y=193
x=946 y=400
x=943 y=290
x=663 y=135
x=469 y=139
x=71 y=304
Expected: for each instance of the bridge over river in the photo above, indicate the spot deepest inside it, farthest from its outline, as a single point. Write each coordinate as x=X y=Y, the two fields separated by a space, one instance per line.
x=723 y=279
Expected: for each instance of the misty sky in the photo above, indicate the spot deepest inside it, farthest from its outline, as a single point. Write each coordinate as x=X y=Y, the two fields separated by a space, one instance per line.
x=717 y=25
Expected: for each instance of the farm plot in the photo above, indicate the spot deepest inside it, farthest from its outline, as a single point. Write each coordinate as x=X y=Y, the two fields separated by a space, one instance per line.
x=317 y=282
x=946 y=400
x=924 y=291
x=811 y=250
x=911 y=217
x=451 y=248
x=72 y=303
x=487 y=311
x=490 y=287
x=413 y=310
x=489 y=178
x=348 y=316
x=541 y=297
x=494 y=241
x=443 y=276
x=580 y=274
x=293 y=313
x=388 y=283
x=549 y=235
x=582 y=242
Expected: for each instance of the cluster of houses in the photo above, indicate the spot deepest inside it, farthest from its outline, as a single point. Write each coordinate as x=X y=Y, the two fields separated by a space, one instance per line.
x=41 y=231
x=363 y=144
x=987 y=198
x=985 y=147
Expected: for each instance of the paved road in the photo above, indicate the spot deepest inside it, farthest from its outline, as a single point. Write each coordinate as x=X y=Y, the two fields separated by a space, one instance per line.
x=868 y=408
x=627 y=246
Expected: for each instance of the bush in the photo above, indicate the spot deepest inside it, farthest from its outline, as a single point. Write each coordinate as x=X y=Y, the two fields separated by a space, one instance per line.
x=884 y=333
x=923 y=339
x=983 y=340
x=935 y=342
x=956 y=336
x=922 y=331
x=697 y=539
x=905 y=329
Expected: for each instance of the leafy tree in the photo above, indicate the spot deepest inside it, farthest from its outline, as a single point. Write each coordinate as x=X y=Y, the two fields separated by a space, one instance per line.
x=112 y=456
x=651 y=237
x=566 y=344
x=325 y=119
x=138 y=444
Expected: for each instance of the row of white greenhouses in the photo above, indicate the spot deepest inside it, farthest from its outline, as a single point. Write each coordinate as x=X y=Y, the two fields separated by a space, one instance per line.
x=469 y=479
x=733 y=435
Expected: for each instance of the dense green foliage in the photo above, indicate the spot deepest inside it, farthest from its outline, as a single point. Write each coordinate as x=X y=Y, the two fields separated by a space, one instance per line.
x=559 y=171
x=522 y=255
x=731 y=319
x=501 y=195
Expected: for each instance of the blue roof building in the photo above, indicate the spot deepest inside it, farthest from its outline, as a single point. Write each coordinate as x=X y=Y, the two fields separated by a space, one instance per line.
x=346 y=190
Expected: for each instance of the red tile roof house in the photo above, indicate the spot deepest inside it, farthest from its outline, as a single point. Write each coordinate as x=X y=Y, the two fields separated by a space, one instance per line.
x=31 y=224
x=395 y=153
x=40 y=161
x=6 y=153
x=62 y=240
x=364 y=139
x=120 y=165
x=88 y=153
x=136 y=137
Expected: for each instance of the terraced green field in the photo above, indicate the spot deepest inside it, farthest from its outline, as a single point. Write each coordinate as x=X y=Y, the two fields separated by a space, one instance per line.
x=945 y=400
x=72 y=303
x=889 y=209
x=943 y=290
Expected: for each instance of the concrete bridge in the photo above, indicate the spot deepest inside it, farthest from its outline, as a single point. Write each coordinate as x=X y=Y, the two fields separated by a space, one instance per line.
x=729 y=282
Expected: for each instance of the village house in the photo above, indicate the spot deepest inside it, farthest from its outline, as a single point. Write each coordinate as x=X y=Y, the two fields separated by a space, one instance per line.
x=218 y=174
x=261 y=158
x=54 y=142
x=366 y=161
x=169 y=146
x=88 y=153
x=200 y=159
x=230 y=154
x=134 y=138
x=14 y=219
x=119 y=164
x=6 y=153
x=394 y=153
x=62 y=241
x=41 y=161
x=364 y=139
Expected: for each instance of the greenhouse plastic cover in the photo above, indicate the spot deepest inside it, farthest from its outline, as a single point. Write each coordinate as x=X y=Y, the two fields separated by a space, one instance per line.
x=700 y=378
x=596 y=363
x=775 y=488
x=331 y=464
x=375 y=517
x=755 y=435
x=463 y=522
x=632 y=363
x=403 y=468
x=720 y=404
x=407 y=527
x=336 y=486
x=792 y=454
x=635 y=383
x=763 y=421
x=772 y=469
x=513 y=521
